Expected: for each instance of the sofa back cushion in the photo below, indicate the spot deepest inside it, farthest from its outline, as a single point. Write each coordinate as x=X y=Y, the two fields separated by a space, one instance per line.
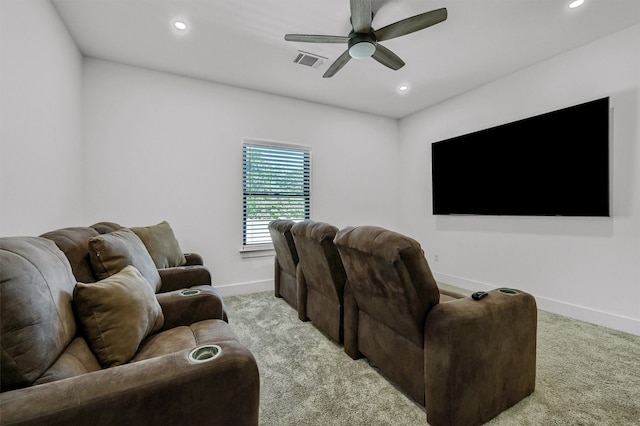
x=162 y=245
x=106 y=227
x=111 y=253
x=74 y=242
x=319 y=258
x=390 y=278
x=36 y=319
x=280 y=231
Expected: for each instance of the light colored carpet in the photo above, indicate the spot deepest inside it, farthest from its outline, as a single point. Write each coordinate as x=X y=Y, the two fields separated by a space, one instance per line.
x=586 y=374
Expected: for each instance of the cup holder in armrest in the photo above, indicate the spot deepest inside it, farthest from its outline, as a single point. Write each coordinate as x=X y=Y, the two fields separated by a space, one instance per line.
x=189 y=292
x=204 y=353
x=509 y=291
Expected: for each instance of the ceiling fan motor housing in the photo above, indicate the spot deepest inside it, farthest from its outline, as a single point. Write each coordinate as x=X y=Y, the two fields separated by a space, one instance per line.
x=362 y=45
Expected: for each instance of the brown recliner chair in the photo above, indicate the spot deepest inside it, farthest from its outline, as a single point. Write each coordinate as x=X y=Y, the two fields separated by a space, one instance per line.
x=285 y=261
x=104 y=354
x=321 y=277
x=467 y=360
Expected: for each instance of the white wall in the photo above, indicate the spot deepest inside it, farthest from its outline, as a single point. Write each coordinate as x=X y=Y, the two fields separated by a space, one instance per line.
x=40 y=120
x=581 y=267
x=163 y=147
x=89 y=141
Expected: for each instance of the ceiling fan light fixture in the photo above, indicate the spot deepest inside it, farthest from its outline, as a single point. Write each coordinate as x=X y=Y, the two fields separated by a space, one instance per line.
x=362 y=50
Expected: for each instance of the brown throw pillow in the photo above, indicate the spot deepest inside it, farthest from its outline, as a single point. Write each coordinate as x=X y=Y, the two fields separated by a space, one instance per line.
x=116 y=314
x=161 y=244
x=111 y=252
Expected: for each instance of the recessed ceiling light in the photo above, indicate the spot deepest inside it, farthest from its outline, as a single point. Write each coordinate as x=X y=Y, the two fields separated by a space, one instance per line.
x=575 y=3
x=403 y=88
x=180 y=25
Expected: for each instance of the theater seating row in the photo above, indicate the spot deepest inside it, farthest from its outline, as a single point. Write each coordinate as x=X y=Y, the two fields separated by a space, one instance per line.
x=371 y=289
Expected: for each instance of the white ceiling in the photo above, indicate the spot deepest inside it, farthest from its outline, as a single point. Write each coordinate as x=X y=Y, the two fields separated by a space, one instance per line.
x=241 y=43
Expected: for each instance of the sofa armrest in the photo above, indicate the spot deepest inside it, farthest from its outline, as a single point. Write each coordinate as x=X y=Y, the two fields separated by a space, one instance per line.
x=186 y=306
x=480 y=357
x=183 y=277
x=165 y=390
x=193 y=259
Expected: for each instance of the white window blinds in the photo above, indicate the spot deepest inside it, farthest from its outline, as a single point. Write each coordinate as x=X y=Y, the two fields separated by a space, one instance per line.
x=276 y=185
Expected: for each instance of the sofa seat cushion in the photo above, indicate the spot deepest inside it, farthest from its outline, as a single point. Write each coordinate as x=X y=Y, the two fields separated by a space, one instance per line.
x=111 y=252
x=162 y=245
x=185 y=337
x=116 y=314
x=77 y=359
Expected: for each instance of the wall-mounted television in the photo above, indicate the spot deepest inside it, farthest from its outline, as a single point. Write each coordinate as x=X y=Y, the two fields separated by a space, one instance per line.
x=553 y=164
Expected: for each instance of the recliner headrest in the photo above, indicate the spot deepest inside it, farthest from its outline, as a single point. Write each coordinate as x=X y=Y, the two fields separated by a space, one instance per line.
x=379 y=242
x=318 y=231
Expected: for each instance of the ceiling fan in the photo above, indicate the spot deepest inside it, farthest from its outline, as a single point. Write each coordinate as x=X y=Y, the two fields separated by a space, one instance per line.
x=364 y=41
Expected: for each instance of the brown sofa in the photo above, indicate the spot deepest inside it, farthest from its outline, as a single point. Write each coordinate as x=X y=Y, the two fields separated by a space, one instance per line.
x=175 y=276
x=285 y=261
x=111 y=352
x=467 y=360
x=320 y=276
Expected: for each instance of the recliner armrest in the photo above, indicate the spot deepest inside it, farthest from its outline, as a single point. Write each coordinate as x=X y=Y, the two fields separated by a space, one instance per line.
x=181 y=277
x=480 y=357
x=186 y=306
x=165 y=390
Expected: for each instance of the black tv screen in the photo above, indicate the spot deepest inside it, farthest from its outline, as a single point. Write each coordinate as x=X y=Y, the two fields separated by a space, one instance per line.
x=554 y=164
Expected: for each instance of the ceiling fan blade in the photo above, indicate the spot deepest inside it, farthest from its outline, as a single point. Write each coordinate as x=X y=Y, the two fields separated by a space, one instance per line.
x=410 y=25
x=338 y=64
x=387 y=58
x=361 y=15
x=309 y=38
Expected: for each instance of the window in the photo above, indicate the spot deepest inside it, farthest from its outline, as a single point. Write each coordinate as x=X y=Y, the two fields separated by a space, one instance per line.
x=276 y=185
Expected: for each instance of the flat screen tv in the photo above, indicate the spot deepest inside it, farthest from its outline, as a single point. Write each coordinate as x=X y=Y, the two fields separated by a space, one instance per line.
x=554 y=164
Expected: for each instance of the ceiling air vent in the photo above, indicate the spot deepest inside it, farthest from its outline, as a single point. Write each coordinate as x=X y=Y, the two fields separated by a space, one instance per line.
x=309 y=59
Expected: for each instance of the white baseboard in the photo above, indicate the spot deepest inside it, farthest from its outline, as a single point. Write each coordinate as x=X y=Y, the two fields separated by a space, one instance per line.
x=245 y=288
x=582 y=313
x=462 y=282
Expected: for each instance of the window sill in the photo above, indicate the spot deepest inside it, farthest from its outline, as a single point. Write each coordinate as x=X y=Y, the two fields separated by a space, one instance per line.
x=258 y=250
